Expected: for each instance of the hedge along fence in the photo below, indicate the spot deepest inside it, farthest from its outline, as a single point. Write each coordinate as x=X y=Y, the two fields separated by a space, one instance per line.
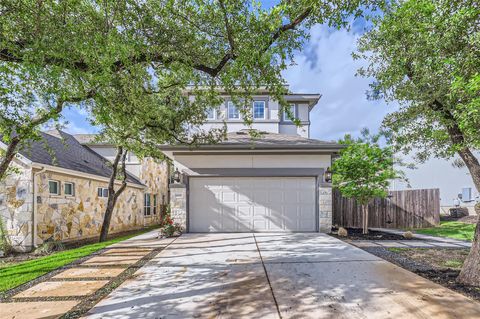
x=416 y=208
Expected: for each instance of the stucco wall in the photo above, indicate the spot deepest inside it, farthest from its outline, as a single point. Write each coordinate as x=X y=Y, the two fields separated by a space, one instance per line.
x=16 y=206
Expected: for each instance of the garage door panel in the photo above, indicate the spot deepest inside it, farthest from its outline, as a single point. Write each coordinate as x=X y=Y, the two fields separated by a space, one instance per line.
x=227 y=204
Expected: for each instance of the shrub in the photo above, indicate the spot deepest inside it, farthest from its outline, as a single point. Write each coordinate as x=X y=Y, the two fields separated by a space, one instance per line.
x=169 y=228
x=408 y=235
x=342 y=232
x=49 y=247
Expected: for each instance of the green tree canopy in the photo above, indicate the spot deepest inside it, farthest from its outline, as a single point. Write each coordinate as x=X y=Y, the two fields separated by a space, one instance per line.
x=425 y=55
x=55 y=52
x=364 y=170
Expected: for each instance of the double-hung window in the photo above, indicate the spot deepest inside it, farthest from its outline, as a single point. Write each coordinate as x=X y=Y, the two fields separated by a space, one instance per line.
x=233 y=112
x=102 y=192
x=287 y=117
x=54 y=187
x=211 y=113
x=69 y=189
x=147 y=206
x=259 y=110
x=154 y=204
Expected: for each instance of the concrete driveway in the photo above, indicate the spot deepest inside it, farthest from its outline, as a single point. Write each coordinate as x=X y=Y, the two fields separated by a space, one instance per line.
x=277 y=276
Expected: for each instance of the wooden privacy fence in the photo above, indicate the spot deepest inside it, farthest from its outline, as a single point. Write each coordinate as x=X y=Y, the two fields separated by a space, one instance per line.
x=401 y=209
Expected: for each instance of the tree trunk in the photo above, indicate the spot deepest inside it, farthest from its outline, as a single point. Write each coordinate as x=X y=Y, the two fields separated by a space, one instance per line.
x=470 y=273
x=365 y=219
x=112 y=194
x=9 y=155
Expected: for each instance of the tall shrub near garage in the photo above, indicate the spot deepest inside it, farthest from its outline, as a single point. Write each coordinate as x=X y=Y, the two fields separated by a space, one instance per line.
x=364 y=171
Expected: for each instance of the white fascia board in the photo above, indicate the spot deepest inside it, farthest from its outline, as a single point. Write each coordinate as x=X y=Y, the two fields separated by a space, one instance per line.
x=19 y=157
x=80 y=174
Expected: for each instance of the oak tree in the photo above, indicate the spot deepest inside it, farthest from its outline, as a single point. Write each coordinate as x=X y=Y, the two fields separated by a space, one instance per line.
x=424 y=55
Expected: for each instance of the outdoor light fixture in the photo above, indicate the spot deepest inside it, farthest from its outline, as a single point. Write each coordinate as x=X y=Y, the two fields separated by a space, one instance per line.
x=328 y=175
x=176 y=176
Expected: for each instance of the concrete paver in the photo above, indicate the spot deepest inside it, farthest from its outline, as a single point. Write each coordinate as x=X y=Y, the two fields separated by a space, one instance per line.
x=34 y=310
x=63 y=288
x=105 y=260
x=311 y=276
x=90 y=273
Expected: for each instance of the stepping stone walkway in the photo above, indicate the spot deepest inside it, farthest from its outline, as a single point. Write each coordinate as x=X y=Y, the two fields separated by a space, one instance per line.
x=60 y=293
x=420 y=241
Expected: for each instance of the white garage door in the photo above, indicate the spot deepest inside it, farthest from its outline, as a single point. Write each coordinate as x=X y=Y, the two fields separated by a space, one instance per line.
x=242 y=204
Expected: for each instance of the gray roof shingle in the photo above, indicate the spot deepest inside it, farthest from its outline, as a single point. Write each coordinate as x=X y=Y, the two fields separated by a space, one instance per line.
x=63 y=150
x=243 y=140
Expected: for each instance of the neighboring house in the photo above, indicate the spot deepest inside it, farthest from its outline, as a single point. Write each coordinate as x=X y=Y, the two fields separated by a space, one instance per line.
x=60 y=193
x=275 y=183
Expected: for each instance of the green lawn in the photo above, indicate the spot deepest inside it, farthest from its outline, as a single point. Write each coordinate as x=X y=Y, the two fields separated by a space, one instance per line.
x=14 y=275
x=456 y=230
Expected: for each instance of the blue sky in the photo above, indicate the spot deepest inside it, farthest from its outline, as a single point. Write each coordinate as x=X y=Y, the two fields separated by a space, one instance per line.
x=324 y=66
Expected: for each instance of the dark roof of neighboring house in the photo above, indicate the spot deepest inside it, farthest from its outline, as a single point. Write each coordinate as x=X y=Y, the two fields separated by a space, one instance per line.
x=242 y=140
x=57 y=148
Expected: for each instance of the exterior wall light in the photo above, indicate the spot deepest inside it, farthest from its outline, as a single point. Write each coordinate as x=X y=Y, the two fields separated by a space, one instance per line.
x=328 y=175
x=176 y=176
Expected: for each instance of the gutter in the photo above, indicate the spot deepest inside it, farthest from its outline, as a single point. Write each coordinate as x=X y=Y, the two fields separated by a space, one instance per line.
x=83 y=175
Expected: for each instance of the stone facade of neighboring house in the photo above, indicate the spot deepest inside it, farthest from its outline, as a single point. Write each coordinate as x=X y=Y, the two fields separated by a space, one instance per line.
x=32 y=214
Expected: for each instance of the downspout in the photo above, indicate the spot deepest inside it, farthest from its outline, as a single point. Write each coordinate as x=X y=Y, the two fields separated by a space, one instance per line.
x=34 y=206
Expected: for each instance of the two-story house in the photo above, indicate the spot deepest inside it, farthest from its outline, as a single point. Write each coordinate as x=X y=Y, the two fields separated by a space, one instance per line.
x=278 y=182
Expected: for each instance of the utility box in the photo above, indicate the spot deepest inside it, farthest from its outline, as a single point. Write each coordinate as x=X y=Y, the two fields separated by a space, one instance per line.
x=467 y=194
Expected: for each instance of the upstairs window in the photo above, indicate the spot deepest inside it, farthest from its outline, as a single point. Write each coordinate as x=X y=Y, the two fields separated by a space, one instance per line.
x=147 y=207
x=69 y=189
x=211 y=114
x=259 y=110
x=233 y=111
x=286 y=117
x=102 y=192
x=54 y=187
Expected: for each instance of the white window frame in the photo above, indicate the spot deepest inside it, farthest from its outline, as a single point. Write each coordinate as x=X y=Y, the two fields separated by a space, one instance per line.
x=287 y=119
x=264 y=110
x=58 y=187
x=65 y=191
x=102 y=193
x=147 y=209
x=214 y=113
x=228 y=111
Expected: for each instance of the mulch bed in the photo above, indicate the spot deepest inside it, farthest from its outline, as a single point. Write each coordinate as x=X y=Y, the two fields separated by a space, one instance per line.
x=441 y=275
x=356 y=234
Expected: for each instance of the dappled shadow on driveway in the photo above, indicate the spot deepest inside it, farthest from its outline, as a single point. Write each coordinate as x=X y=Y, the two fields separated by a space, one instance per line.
x=311 y=275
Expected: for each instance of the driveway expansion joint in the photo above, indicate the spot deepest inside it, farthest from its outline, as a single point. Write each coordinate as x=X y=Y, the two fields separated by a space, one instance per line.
x=268 y=279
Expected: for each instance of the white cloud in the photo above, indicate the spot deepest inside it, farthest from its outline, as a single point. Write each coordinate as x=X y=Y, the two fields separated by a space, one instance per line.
x=327 y=67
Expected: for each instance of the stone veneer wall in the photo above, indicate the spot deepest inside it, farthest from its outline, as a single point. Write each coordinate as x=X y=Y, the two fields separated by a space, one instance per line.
x=16 y=202
x=154 y=175
x=178 y=204
x=65 y=218
x=325 y=209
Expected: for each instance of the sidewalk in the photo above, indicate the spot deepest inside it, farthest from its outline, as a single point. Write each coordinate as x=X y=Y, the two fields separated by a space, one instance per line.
x=85 y=282
x=424 y=241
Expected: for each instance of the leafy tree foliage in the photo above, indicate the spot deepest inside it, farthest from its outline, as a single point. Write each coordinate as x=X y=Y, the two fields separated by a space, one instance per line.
x=364 y=170
x=424 y=54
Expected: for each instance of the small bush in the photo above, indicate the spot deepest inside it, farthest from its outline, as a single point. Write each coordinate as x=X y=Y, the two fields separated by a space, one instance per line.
x=169 y=228
x=49 y=247
x=408 y=235
x=342 y=232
